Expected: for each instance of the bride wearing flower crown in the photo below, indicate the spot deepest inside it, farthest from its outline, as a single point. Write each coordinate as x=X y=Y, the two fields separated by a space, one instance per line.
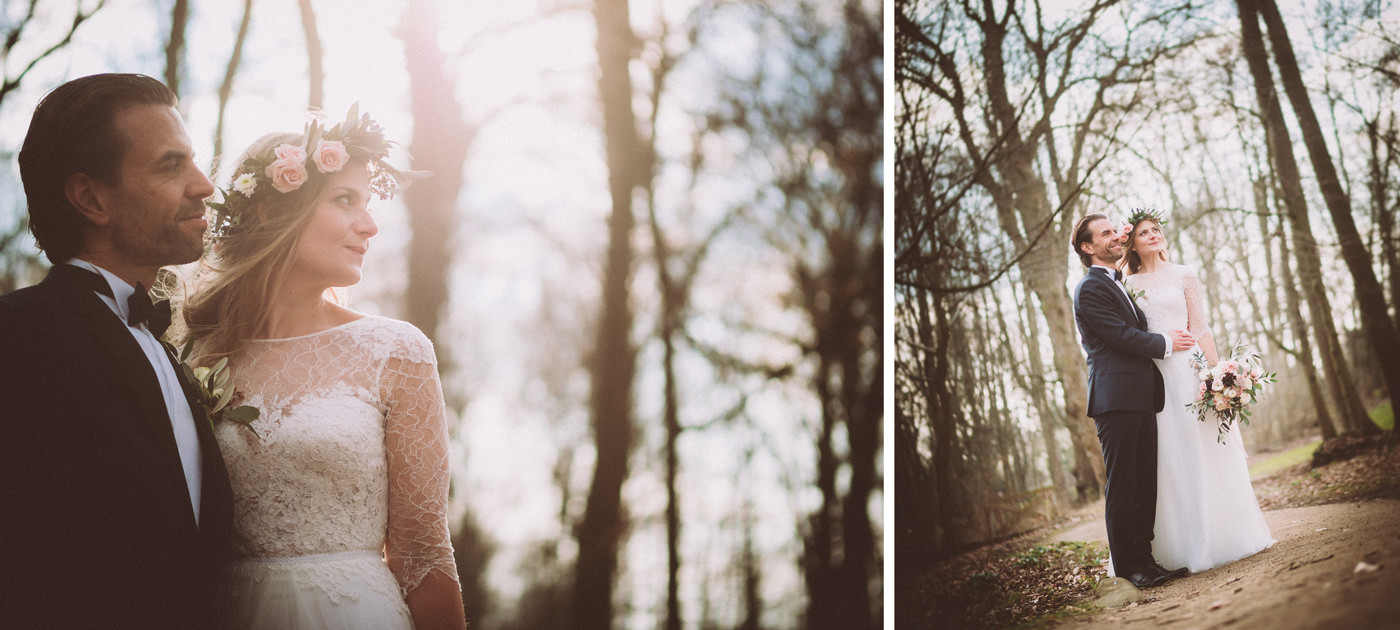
x=1207 y=514
x=341 y=482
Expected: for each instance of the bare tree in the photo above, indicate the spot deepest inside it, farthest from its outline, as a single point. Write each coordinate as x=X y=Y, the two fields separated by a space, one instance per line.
x=613 y=362
x=315 y=74
x=1336 y=371
x=175 y=46
x=440 y=145
x=1370 y=298
x=1013 y=132
x=230 y=73
x=19 y=31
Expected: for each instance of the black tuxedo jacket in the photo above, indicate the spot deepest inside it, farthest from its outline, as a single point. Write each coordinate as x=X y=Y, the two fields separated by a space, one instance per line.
x=96 y=525
x=1122 y=376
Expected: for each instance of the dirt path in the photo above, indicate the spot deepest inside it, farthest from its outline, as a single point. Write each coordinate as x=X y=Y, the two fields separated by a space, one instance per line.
x=1308 y=579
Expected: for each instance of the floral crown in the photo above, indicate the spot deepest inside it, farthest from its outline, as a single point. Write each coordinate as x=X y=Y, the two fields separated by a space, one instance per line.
x=1140 y=214
x=318 y=151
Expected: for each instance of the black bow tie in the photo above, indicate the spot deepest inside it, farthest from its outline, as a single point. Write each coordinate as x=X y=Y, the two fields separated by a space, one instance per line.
x=1117 y=274
x=140 y=309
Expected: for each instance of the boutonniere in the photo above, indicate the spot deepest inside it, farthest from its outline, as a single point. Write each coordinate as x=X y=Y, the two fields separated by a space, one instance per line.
x=211 y=385
x=1136 y=294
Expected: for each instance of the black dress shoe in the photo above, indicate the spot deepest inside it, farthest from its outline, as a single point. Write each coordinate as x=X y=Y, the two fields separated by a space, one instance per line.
x=1146 y=579
x=1170 y=575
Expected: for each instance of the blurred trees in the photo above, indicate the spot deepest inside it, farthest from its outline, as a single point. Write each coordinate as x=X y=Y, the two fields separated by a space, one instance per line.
x=737 y=334
x=821 y=138
x=612 y=363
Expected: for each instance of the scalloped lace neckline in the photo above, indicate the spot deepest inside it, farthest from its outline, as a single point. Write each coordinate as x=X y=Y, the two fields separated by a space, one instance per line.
x=323 y=331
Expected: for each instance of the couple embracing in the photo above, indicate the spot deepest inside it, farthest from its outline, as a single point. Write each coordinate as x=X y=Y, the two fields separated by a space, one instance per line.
x=1174 y=495
x=128 y=497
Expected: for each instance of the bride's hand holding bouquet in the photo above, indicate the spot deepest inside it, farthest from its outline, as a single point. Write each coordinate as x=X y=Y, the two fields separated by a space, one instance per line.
x=1230 y=387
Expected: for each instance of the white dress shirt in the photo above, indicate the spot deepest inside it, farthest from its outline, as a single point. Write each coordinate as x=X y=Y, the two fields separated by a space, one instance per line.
x=1124 y=289
x=181 y=419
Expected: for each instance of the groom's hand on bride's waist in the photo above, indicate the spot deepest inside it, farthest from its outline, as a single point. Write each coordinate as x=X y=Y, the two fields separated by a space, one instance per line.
x=1181 y=340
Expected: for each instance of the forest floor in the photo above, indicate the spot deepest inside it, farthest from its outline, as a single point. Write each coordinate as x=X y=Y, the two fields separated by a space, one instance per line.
x=1336 y=563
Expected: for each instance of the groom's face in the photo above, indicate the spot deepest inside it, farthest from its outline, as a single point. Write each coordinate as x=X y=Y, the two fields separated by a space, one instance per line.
x=155 y=212
x=1107 y=243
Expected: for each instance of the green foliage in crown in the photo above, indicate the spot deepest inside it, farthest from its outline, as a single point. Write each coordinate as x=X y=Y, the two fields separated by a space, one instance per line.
x=1141 y=214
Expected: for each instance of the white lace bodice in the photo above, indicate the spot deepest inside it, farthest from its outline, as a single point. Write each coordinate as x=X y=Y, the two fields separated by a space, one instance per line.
x=1171 y=300
x=350 y=452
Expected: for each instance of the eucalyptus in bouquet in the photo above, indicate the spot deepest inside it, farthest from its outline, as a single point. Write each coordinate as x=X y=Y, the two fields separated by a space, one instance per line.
x=1230 y=388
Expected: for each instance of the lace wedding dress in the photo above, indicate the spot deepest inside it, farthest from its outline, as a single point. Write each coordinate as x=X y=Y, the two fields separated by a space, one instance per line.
x=1207 y=514
x=346 y=477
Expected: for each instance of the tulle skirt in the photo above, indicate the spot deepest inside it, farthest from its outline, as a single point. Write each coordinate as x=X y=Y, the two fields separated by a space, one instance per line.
x=336 y=591
x=1207 y=514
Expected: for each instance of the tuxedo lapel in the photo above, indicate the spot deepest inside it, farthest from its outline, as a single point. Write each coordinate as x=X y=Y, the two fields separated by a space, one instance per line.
x=215 y=501
x=1123 y=299
x=141 y=389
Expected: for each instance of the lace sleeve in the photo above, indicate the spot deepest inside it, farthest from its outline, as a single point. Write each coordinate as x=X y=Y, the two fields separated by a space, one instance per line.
x=415 y=437
x=1195 y=305
x=1196 y=314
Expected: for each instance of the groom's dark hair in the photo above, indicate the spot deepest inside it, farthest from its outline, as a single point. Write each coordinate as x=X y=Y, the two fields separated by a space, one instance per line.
x=73 y=131
x=1082 y=236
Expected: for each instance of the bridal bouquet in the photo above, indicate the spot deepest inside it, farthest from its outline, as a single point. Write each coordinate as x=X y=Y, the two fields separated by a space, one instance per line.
x=1229 y=388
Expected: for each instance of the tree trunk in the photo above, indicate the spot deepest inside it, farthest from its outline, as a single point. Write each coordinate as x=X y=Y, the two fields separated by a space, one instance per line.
x=1305 y=349
x=1292 y=303
x=1370 y=298
x=1036 y=384
x=1043 y=267
x=440 y=145
x=315 y=74
x=175 y=47
x=1314 y=291
x=673 y=294
x=1383 y=157
x=230 y=72
x=941 y=408
x=614 y=359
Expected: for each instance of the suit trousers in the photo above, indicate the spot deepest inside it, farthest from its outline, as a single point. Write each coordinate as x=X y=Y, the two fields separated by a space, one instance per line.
x=1129 y=441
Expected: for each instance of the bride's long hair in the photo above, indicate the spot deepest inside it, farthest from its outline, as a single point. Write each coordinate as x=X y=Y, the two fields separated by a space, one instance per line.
x=1131 y=262
x=241 y=275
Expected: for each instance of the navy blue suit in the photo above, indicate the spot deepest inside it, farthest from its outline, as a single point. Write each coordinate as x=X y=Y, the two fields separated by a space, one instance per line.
x=1125 y=394
x=96 y=524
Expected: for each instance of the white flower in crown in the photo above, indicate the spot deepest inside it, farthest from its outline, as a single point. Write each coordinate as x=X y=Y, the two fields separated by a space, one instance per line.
x=246 y=184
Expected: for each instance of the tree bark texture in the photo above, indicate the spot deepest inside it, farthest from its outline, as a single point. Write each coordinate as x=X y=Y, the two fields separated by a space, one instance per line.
x=1314 y=292
x=175 y=46
x=1370 y=298
x=613 y=361
x=441 y=142
x=315 y=73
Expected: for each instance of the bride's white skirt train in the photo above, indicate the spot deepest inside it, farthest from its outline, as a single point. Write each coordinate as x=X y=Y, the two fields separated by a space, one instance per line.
x=1207 y=514
x=334 y=591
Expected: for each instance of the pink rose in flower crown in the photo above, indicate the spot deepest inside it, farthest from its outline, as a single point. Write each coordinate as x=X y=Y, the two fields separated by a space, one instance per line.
x=330 y=156
x=288 y=172
x=1125 y=231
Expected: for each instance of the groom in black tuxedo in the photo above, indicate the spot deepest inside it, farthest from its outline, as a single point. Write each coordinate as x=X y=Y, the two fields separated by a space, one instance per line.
x=115 y=508
x=1125 y=394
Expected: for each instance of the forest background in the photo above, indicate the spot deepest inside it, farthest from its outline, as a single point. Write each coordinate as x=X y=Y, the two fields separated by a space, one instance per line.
x=650 y=258
x=1264 y=131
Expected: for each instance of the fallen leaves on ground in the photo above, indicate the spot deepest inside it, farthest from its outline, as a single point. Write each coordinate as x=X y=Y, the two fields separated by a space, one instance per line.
x=1006 y=584
x=1371 y=471
x=1022 y=582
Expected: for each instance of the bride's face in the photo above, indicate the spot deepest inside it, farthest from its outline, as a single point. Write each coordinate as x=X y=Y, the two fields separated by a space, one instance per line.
x=1147 y=238
x=332 y=249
